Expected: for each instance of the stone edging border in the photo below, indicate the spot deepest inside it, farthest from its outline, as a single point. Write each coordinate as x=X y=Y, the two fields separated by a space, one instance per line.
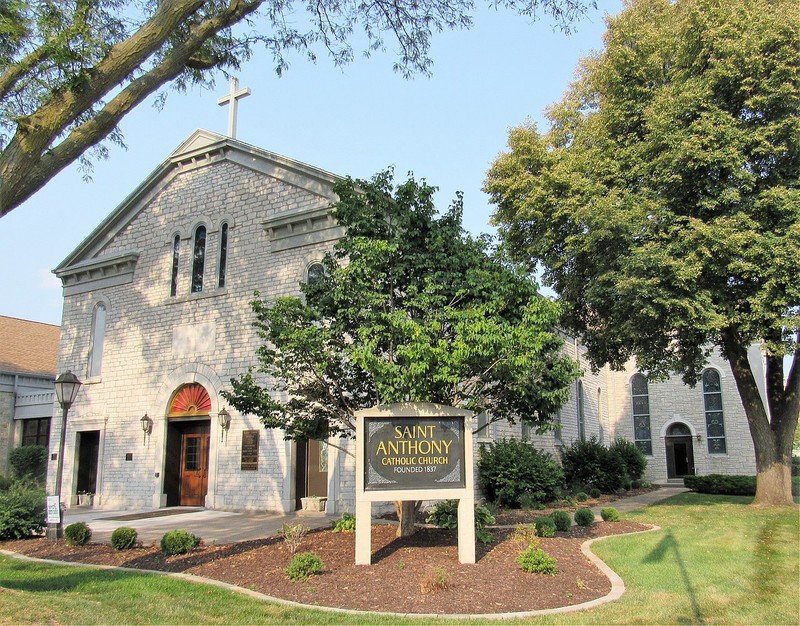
x=617 y=588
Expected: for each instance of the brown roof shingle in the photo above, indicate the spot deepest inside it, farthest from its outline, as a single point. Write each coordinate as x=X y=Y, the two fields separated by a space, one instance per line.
x=28 y=347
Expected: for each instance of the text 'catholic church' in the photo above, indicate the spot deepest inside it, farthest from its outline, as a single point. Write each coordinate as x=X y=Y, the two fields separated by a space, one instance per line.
x=157 y=320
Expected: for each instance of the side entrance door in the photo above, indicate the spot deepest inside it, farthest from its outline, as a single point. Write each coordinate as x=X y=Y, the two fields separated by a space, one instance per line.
x=194 y=464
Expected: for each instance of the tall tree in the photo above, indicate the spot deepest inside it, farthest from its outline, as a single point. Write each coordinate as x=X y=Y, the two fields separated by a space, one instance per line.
x=663 y=202
x=409 y=308
x=70 y=70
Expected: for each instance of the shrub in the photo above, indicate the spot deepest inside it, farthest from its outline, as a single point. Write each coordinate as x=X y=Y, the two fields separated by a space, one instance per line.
x=581 y=496
x=293 y=535
x=609 y=514
x=444 y=514
x=435 y=580
x=178 y=542
x=30 y=461
x=594 y=492
x=347 y=524
x=77 y=534
x=22 y=510
x=509 y=468
x=525 y=535
x=303 y=566
x=545 y=527
x=733 y=485
x=529 y=501
x=534 y=560
x=124 y=538
x=591 y=464
x=562 y=520
x=5 y=483
x=634 y=459
x=584 y=517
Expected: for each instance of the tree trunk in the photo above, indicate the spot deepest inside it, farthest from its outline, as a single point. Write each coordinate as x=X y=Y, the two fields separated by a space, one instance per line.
x=773 y=435
x=405 y=513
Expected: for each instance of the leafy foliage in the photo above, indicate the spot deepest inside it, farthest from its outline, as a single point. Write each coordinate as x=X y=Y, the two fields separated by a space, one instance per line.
x=346 y=524
x=30 y=461
x=59 y=61
x=444 y=514
x=584 y=516
x=178 y=542
x=303 y=566
x=124 y=538
x=591 y=464
x=562 y=520
x=609 y=514
x=410 y=308
x=77 y=534
x=663 y=202
x=728 y=485
x=634 y=459
x=22 y=508
x=545 y=526
x=510 y=468
x=293 y=535
x=534 y=560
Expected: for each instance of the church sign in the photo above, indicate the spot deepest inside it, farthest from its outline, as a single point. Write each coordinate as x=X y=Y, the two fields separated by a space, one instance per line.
x=414 y=453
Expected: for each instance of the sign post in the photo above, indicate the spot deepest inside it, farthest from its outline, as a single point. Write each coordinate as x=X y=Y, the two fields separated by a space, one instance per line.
x=414 y=451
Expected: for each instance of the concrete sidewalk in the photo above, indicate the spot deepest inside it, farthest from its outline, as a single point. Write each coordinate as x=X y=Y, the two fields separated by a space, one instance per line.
x=222 y=527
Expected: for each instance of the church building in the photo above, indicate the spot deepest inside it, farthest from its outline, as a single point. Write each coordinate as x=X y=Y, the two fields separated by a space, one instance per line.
x=157 y=320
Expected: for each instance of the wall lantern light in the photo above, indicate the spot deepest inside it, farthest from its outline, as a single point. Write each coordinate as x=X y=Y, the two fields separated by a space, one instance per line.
x=147 y=426
x=699 y=437
x=224 y=419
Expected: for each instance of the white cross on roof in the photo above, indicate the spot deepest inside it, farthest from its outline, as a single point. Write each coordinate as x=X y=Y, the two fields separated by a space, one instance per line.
x=233 y=98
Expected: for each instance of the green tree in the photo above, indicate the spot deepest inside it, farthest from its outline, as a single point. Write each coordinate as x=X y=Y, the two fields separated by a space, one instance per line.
x=663 y=202
x=410 y=308
x=71 y=70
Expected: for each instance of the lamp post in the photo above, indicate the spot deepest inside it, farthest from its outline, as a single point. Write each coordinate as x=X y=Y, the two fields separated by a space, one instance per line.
x=67 y=386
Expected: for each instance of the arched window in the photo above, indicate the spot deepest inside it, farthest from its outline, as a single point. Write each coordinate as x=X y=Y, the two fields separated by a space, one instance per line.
x=557 y=429
x=315 y=273
x=198 y=259
x=176 y=251
x=640 y=399
x=581 y=413
x=98 y=339
x=223 y=253
x=715 y=424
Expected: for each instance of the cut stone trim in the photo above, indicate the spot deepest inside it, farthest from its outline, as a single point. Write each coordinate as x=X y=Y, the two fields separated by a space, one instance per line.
x=98 y=273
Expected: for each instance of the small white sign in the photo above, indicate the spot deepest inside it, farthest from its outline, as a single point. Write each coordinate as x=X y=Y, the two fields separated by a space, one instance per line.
x=53 y=510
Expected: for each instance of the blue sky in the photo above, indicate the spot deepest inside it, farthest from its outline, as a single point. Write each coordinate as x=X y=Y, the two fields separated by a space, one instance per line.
x=353 y=121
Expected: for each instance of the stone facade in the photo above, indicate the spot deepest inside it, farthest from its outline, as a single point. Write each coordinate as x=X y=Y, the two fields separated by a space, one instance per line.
x=152 y=343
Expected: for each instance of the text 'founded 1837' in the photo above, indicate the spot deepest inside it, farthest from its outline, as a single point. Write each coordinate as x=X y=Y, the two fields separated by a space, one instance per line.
x=414 y=453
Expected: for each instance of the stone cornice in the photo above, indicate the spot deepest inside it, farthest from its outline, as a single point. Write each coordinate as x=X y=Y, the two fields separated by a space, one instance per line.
x=97 y=273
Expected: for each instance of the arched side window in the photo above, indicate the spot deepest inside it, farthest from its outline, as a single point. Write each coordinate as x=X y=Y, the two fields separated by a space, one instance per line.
x=640 y=400
x=98 y=339
x=315 y=273
x=198 y=259
x=715 y=424
x=581 y=413
x=176 y=252
x=223 y=254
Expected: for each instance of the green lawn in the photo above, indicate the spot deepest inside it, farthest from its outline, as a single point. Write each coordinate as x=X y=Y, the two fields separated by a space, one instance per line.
x=715 y=560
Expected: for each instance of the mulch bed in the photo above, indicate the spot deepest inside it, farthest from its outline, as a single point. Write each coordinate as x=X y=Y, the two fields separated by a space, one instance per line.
x=395 y=582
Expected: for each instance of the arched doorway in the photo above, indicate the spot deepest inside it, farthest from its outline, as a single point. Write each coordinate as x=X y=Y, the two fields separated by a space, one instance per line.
x=680 y=451
x=188 y=440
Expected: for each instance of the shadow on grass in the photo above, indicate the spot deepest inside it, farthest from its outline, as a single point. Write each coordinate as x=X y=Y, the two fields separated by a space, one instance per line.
x=662 y=550
x=16 y=575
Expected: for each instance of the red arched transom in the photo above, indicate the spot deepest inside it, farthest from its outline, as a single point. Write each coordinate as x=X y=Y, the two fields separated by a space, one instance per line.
x=191 y=399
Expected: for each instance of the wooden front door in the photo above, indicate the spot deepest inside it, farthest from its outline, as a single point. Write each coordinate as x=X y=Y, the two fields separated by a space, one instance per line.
x=311 y=470
x=194 y=465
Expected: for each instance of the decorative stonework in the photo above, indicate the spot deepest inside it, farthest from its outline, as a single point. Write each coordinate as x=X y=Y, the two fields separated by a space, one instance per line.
x=302 y=228
x=98 y=273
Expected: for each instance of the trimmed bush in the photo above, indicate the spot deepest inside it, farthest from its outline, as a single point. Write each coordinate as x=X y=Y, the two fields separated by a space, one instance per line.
x=28 y=461
x=581 y=496
x=594 y=492
x=609 y=514
x=303 y=566
x=509 y=468
x=733 y=485
x=591 y=464
x=124 y=538
x=536 y=561
x=178 y=542
x=562 y=520
x=22 y=510
x=634 y=459
x=584 y=517
x=545 y=527
x=77 y=534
